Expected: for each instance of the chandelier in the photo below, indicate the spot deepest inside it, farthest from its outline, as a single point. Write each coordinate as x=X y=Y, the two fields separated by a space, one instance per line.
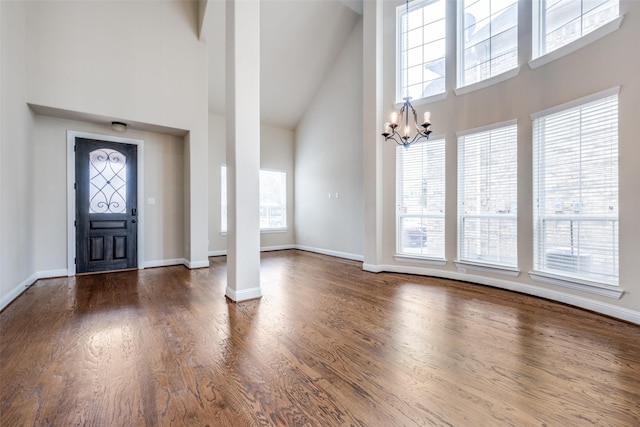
x=391 y=129
x=403 y=136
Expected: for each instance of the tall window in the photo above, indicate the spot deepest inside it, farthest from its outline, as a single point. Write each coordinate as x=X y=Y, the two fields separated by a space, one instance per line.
x=273 y=200
x=488 y=197
x=559 y=22
x=575 y=166
x=421 y=46
x=488 y=39
x=420 y=195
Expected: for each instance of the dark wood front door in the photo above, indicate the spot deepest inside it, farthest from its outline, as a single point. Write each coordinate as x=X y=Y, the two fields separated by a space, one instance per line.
x=106 y=206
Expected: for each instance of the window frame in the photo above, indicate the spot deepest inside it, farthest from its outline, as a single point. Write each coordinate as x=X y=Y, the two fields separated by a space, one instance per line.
x=540 y=57
x=442 y=151
x=400 y=94
x=462 y=262
x=223 y=202
x=580 y=282
x=461 y=85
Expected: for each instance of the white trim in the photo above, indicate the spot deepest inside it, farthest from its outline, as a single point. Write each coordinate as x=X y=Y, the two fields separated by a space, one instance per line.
x=330 y=252
x=608 y=309
x=419 y=259
x=50 y=274
x=223 y=252
x=505 y=271
x=164 y=263
x=488 y=82
x=14 y=293
x=486 y=128
x=589 y=38
x=424 y=101
x=594 y=288
x=71 y=194
x=244 y=294
x=196 y=264
x=576 y=102
x=273 y=230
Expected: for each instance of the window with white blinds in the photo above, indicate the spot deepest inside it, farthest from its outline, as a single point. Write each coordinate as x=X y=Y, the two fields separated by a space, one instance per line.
x=488 y=39
x=559 y=22
x=273 y=200
x=420 y=196
x=575 y=170
x=488 y=197
x=421 y=36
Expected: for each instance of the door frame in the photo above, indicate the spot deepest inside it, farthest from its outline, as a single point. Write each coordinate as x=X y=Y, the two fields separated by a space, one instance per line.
x=71 y=194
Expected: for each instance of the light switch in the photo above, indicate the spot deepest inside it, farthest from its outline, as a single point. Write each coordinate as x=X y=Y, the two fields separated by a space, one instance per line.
x=151 y=201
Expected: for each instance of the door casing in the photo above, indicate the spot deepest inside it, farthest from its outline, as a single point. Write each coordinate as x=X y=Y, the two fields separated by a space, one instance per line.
x=71 y=196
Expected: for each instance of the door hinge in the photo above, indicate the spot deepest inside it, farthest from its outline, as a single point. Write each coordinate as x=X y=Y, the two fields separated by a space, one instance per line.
x=74 y=223
x=75 y=260
x=74 y=148
x=75 y=186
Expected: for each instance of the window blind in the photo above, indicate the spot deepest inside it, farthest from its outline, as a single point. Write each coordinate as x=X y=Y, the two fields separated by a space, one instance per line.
x=488 y=197
x=563 y=21
x=420 y=196
x=489 y=39
x=576 y=192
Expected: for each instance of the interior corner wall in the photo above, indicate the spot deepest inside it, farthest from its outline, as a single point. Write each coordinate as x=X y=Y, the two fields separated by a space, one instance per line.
x=328 y=157
x=17 y=265
x=163 y=196
x=603 y=64
x=133 y=62
x=276 y=153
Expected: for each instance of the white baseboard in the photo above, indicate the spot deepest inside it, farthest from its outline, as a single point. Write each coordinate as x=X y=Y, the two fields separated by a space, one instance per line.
x=330 y=252
x=17 y=291
x=164 y=262
x=608 y=309
x=196 y=264
x=223 y=252
x=49 y=274
x=244 y=294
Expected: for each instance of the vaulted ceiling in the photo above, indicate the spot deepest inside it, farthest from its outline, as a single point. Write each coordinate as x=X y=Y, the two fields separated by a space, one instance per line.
x=299 y=40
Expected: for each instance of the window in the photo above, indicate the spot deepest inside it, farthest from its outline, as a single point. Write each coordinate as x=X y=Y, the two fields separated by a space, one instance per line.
x=421 y=47
x=559 y=22
x=488 y=197
x=273 y=200
x=575 y=171
x=488 y=39
x=420 y=195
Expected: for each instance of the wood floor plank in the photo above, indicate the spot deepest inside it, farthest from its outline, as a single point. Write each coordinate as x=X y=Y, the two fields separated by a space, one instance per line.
x=327 y=345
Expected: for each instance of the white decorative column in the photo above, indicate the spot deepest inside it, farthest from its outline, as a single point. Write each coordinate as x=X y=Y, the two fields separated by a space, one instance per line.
x=372 y=28
x=243 y=149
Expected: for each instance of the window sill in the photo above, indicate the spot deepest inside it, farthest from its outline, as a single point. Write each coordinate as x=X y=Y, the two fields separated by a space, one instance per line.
x=420 y=259
x=606 y=29
x=581 y=285
x=488 y=82
x=462 y=267
x=424 y=101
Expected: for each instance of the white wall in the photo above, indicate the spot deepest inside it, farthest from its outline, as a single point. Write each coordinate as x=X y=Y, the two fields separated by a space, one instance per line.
x=276 y=152
x=328 y=159
x=163 y=181
x=17 y=240
x=137 y=62
x=606 y=63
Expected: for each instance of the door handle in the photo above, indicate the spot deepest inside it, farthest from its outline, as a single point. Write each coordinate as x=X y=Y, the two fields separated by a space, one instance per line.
x=133 y=221
x=134 y=212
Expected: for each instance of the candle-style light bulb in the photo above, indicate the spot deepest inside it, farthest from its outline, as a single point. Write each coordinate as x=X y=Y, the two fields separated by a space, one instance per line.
x=406 y=131
x=394 y=118
x=426 y=118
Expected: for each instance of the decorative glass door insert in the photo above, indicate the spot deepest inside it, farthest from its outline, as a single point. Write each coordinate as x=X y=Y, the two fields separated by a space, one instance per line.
x=108 y=181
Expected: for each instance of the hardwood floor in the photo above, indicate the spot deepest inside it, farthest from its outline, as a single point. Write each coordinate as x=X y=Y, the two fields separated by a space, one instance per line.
x=327 y=345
